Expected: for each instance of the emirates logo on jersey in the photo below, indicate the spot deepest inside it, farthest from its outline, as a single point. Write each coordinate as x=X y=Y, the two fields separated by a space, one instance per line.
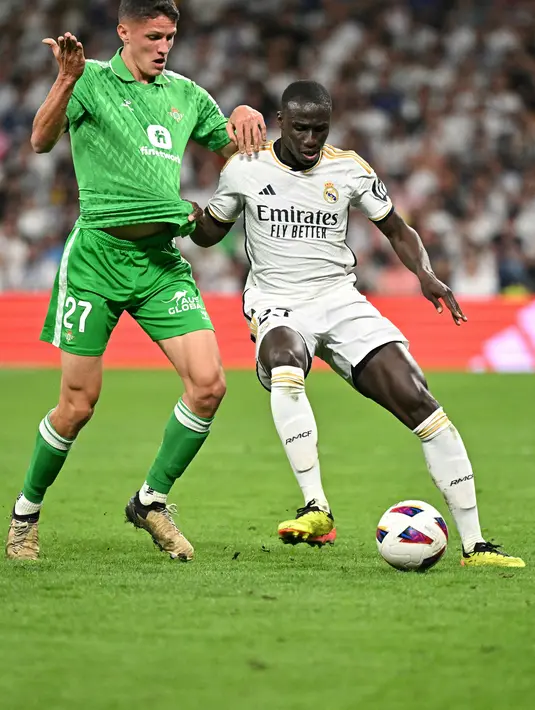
x=330 y=193
x=175 y=113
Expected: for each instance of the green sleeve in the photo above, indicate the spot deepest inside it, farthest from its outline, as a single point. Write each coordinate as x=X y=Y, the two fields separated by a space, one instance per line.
x=210 y=129
x=81 y=101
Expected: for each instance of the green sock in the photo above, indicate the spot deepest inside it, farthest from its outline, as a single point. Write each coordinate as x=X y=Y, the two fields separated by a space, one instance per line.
x=48 y=457
x=184 y=435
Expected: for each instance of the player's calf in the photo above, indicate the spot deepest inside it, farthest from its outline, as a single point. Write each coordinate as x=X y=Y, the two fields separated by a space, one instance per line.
x=283 y=354
x=391 y=377
x=451 y=470
x=296 y=425
x=49 y=455
x=297 y=429
x=80 y=387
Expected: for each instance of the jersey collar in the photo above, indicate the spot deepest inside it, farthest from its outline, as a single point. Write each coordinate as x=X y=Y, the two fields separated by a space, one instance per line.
x=274 y=147
x=123 y=72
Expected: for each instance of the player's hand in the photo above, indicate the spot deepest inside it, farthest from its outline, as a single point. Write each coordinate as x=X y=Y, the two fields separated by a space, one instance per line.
x=69 y=54
x=436 y=291
x=246 y=128
x=197 y=213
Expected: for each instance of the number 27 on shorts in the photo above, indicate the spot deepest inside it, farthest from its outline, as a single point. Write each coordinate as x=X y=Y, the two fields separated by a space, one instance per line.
x=71 y=305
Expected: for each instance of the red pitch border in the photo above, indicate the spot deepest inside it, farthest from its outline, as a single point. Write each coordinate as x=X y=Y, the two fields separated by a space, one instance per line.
x=499 y=335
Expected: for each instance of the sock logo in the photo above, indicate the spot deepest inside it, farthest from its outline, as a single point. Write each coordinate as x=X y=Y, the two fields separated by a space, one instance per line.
x=302 y=435
x=461 y=480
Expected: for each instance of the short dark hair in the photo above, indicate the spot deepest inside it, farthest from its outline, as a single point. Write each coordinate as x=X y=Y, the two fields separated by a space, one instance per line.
x=306 y=92
x=148 y=9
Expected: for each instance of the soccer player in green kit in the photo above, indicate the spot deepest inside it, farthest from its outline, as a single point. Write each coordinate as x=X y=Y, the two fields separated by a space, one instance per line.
x=129 y=120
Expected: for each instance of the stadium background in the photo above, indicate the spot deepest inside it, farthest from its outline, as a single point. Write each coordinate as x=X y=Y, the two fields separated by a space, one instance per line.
x=439 y=96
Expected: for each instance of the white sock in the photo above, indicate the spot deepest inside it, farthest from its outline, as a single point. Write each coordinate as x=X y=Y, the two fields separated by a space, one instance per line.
x=23 y=506
x=451 y=470
x=296 y=426
x=148 y=495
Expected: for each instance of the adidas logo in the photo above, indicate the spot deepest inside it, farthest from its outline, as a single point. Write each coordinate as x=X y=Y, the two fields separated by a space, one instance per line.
x=268 y=190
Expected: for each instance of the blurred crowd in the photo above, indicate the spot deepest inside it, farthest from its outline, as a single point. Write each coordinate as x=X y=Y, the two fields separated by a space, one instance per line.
x=438 y=95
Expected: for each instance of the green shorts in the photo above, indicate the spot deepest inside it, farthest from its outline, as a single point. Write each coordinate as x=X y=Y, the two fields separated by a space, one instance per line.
x=100 y=276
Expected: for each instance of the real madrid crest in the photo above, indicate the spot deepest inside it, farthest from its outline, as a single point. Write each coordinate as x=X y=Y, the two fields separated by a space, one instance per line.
x=330 y=193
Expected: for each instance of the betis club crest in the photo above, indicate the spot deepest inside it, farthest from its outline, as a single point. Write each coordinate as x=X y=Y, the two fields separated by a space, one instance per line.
x=175 y=113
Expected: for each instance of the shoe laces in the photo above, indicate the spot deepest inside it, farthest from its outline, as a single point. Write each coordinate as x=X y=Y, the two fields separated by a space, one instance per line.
x=168 y=513
x=487 y=547
x=20 y=533
x=310 y=507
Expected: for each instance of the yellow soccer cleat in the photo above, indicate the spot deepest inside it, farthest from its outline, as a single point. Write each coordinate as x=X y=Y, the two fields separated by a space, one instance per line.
x=311 y=525
x=485 y=554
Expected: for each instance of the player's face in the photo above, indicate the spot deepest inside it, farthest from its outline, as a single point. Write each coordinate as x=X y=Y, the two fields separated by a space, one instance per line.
x=147 y=43
x=304 y=130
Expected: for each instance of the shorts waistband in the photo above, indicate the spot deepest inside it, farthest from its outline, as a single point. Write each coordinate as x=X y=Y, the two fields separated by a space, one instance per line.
x=154 y=241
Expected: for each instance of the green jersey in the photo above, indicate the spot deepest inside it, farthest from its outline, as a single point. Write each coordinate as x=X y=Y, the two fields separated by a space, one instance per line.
x=128 y=140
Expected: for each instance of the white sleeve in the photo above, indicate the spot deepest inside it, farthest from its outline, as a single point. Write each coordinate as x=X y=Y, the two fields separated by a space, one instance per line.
x=228 y=201
x=370 y=196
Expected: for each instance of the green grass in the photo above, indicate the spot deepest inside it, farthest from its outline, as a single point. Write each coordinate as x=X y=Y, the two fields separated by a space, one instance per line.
x=103 y=621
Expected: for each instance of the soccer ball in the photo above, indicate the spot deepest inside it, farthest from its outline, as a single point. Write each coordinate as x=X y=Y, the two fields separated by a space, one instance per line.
x=412 y=535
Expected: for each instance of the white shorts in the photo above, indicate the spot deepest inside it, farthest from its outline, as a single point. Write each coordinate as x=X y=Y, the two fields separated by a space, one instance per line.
x=340 y=327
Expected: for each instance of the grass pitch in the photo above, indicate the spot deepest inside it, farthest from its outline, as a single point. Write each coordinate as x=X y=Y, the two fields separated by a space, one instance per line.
x=105 y=622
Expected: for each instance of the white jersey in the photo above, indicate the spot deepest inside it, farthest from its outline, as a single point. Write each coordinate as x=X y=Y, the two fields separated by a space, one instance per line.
x=296 y=221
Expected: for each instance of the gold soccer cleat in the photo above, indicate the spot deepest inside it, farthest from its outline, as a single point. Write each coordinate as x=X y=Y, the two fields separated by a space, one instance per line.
x=157 y=520
x=23 y=539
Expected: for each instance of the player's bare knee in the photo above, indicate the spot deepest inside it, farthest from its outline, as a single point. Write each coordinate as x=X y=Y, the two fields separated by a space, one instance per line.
x=72 y=414
x=205 y=402
x=287 y=356
x=218 y=390
x=205 y=396
x=282 y=347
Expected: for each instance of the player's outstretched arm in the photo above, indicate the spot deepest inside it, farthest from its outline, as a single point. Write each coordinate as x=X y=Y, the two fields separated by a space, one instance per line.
x=208 y=230
x=50 y=122
x=408 y=246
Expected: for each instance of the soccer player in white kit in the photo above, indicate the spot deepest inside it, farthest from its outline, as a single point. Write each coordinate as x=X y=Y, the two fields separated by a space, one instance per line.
x=301 y=300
